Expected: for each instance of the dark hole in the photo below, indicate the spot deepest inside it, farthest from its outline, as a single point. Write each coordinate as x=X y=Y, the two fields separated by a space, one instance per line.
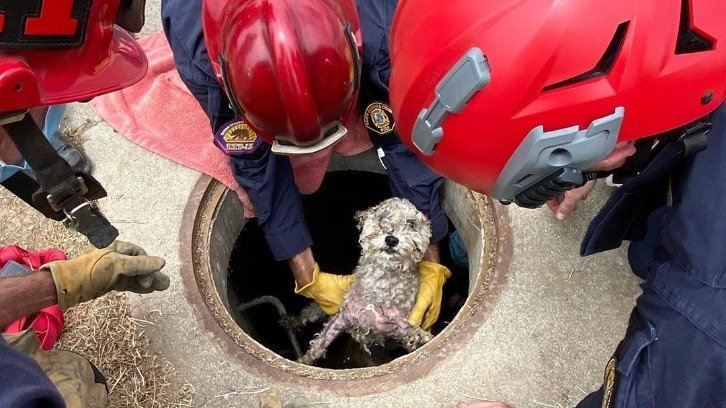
x=329 y=214
x=606 y=63
x=689 y=40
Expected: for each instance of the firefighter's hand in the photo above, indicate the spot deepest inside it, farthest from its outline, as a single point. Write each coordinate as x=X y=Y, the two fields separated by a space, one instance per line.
x=326 y=289
x=121 y=266
x=566 y=203
x=430 y=292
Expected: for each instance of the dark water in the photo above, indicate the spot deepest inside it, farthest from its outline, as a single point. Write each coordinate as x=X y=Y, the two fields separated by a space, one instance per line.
x=329 y=214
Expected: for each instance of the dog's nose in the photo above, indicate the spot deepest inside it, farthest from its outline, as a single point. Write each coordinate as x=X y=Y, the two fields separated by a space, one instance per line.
x=391 y=241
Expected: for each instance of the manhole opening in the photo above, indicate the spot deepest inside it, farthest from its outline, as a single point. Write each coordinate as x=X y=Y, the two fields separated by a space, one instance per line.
x=254 y=275
x=213 y=221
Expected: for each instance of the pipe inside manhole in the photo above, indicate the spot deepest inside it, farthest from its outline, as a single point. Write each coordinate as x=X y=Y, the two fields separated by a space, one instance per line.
x=240 y=290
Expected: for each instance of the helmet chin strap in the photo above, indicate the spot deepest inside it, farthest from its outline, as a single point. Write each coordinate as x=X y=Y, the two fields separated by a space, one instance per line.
x=58 y=193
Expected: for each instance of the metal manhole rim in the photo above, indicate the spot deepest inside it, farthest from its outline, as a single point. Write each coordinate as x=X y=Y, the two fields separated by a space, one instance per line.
x=199 y=215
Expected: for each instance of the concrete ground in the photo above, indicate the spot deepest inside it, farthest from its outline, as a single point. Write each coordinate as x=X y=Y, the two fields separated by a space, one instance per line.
x=545 y=344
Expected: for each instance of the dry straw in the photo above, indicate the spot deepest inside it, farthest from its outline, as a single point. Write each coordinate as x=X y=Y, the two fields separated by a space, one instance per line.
x=104 y=331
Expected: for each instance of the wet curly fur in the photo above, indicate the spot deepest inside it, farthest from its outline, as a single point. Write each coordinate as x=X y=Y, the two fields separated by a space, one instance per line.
x=394 y=237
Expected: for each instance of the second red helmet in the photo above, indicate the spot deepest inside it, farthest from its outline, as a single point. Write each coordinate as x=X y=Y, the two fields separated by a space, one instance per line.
x=291 y=67
x=498 y=95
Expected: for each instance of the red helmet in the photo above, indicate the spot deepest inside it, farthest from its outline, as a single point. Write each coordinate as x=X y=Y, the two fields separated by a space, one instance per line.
x=290 y=66
x=499 y=95
x=54 y=52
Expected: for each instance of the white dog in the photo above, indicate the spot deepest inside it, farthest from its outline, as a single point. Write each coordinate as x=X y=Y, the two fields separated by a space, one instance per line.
x=394 y=237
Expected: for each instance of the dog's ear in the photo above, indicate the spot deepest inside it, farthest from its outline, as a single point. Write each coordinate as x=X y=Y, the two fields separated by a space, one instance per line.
x=360 y=217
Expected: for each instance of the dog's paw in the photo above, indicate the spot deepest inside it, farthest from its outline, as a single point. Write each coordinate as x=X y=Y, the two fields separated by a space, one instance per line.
x=310 y=358
x=416 y=338
x=293 y=323
x=426 y=337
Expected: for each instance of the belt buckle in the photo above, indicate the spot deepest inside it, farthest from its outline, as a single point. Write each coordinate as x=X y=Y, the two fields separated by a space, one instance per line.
x=59 y=203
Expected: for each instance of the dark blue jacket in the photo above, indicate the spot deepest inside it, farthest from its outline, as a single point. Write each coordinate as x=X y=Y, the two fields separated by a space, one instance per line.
x=674 y=351
x=23 y=384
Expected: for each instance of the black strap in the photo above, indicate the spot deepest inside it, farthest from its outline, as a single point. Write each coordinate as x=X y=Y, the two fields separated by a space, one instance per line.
x=23 y=186
x=60 y=193
x=53 y=173
x=131 y=15
x=695 y=142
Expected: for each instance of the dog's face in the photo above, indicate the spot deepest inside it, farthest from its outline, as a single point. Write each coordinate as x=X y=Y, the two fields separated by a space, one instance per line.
x=394 y=231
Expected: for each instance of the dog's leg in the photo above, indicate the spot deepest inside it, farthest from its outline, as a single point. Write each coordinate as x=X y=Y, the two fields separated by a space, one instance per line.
x=414 y=337
x=332 y=329
x=311 y=313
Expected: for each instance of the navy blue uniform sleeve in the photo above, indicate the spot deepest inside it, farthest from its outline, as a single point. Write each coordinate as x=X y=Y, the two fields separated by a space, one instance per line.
x=673 y=351
x=23 y=382
x=267 y=178
x=408 y=176
x=411 y=179
x=376 y=17
x=182 y=24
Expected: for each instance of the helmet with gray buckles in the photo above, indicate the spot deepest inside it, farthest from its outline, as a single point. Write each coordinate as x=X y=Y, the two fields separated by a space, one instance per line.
x=516 y=99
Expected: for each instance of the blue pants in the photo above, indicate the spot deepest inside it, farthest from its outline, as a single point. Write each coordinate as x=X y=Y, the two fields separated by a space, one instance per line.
x=267 y=178
x=674 y=350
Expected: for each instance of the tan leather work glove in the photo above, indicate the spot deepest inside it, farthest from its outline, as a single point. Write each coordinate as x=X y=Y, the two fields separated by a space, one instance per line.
x=121 y=266
x=430 y=291
x=326 y=289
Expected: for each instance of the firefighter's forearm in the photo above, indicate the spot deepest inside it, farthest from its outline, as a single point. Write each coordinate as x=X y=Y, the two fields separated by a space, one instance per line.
x=25 y=295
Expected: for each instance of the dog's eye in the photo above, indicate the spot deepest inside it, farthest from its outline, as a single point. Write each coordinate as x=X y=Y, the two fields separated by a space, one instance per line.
x=411 y=224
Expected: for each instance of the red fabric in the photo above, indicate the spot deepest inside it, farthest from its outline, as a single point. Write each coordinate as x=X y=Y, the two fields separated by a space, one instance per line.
x=161 y=115
x=31 y=260
x=48 y=323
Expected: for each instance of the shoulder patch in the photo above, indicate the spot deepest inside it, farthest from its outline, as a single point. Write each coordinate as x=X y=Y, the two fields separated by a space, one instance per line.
x=237 y=138
x=378 y=118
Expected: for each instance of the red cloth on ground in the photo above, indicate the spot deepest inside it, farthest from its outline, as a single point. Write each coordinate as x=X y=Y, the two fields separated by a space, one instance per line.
x=49 y=322
x=160 y=114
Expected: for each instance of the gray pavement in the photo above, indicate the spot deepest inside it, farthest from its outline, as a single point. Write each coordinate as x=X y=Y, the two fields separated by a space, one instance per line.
x=545 y=343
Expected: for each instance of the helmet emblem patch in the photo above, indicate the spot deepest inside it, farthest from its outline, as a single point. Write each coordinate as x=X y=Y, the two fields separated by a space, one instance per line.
x=610 y=384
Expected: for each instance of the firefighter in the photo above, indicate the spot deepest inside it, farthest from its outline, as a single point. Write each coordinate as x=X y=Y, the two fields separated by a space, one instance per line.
x=529 y=101
x=293 y=76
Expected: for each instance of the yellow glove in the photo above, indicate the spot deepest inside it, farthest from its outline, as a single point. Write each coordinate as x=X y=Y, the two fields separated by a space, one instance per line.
x=430 y=291
x=326 y=289
x=121 y=266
